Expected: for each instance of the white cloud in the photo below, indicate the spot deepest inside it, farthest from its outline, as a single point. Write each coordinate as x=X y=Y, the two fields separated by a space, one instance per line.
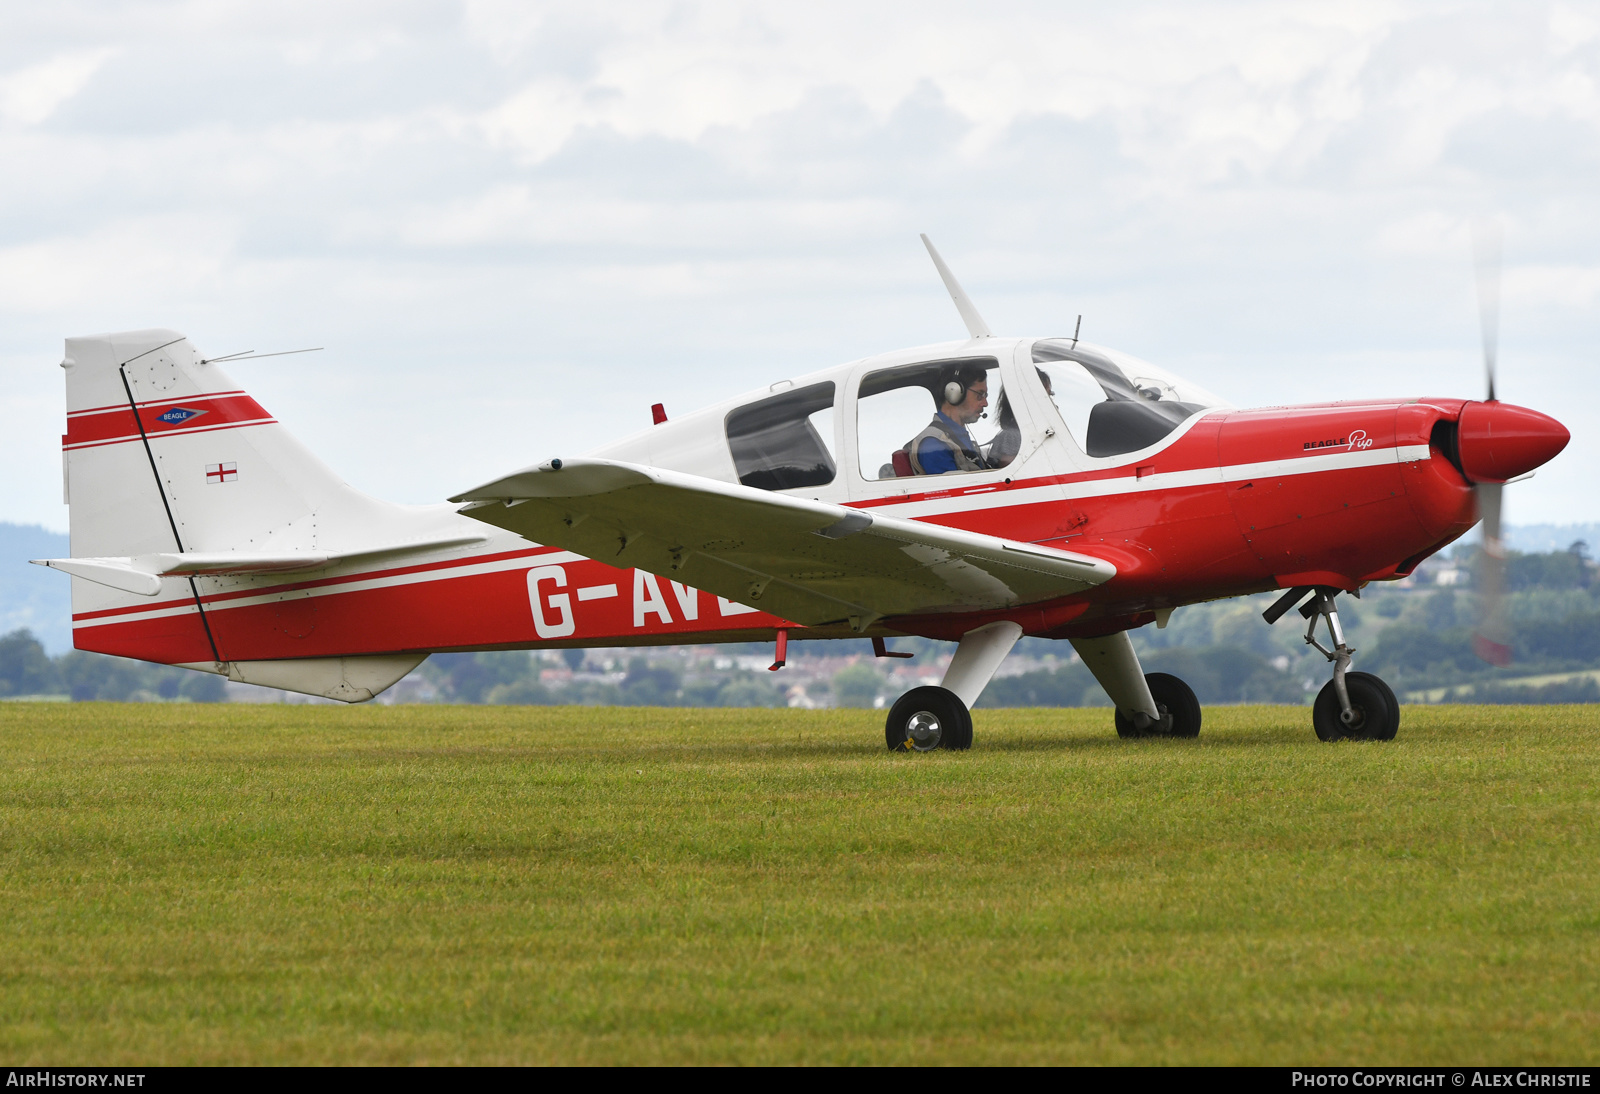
x=686 y=198
x=32 y=94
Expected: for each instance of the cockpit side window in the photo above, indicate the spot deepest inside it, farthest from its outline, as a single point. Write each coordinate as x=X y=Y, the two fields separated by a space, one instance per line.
x=1108 y=411
x=906 y=426
x=776 y=443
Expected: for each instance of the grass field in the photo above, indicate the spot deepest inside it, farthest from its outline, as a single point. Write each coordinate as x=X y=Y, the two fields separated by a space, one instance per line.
x=205 y=884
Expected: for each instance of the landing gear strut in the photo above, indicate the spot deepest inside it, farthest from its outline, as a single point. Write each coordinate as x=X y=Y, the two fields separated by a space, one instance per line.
x=1151 y=704
x=1179 y=710
x=927 y=718
x=1355 y=705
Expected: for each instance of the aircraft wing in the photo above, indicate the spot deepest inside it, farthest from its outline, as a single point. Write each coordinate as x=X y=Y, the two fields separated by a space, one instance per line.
x=803 y=560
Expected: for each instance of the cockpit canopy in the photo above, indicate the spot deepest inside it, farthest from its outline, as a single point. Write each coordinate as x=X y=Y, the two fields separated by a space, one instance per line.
x=922 y=413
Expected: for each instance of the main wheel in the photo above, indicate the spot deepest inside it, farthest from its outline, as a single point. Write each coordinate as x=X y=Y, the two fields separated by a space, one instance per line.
x=1393 y=725
x=1175 y=700
x=1377 y=714
x=927 y=718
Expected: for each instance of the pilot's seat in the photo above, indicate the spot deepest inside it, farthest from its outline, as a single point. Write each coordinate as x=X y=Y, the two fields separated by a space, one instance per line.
x=898 y=467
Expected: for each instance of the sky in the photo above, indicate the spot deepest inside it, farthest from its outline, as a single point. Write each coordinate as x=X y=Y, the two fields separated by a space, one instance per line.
x=514 y=226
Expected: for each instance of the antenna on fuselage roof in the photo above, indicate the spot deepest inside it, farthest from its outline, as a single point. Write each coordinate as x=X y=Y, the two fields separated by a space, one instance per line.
x=969 y=314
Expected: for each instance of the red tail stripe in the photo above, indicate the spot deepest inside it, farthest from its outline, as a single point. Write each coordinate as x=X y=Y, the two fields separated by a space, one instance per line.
x=155 y=402
x=115 y=424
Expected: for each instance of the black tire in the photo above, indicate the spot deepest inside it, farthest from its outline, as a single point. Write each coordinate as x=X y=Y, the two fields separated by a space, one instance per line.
x=1173 y=697
x=1391 y=727
x=936 y=708
x=1377 y=713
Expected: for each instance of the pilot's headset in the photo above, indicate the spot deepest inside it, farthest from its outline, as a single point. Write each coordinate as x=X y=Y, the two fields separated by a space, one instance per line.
x=955 y=391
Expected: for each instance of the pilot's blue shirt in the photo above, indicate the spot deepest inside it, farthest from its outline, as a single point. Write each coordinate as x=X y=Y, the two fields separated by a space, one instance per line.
x=936 y=458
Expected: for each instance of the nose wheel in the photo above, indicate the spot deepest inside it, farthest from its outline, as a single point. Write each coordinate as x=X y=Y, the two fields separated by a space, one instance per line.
x=927 y=718
x=1353 y=705
x=1374 y=714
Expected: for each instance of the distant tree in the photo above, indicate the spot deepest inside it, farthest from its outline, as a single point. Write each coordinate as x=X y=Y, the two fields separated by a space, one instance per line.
x=1575 y=638
x=1228 y=674
x=25 y=669
x=202 y=687
x=1552 y=570
x=90 y=676
x=574 y=658
x=592 y=693
x=702 y=693
x=857 y=686
x=1411 y=650
x=647 y=685
x=469 y=677
x=746 y=690
x=524 y=692
x=1065 y=686
x=1439 y=610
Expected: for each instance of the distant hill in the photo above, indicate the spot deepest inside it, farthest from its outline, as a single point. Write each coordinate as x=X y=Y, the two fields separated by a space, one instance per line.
x=30 y=596
x=1536 y=538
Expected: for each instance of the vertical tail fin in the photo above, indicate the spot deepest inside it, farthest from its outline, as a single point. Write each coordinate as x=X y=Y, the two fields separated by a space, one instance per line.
x=164 y=453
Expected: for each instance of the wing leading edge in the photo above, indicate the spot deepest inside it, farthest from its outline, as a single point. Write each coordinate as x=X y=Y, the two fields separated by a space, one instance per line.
x=803 y=560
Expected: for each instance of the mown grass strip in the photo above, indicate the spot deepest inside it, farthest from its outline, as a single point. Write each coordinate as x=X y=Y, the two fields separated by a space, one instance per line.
x=454 y=884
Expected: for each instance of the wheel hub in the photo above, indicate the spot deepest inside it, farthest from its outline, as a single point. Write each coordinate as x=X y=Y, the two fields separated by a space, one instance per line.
x=924 y=731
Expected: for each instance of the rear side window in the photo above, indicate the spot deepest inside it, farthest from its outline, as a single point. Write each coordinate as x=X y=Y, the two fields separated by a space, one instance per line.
x=786 y=441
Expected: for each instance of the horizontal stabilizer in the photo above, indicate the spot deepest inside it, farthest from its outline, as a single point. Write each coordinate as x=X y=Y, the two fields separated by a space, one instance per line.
x=803 y=560
x=115 y=573
x=142 y=574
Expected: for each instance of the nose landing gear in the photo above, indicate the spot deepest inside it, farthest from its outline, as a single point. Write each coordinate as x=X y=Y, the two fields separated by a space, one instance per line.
x=1353 y=705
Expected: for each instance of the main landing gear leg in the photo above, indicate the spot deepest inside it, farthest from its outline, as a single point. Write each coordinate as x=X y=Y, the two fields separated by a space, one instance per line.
x=927 y=718
x=1147 y=704
x=1355 y=705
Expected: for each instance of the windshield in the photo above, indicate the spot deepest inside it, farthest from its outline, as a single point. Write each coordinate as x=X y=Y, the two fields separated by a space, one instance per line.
x=1111 y=403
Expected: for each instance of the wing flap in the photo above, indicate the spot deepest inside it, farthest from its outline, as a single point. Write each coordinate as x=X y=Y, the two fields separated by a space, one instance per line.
x=804 y=560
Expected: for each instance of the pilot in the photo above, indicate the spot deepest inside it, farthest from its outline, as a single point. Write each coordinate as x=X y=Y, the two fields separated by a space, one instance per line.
x=946 y=446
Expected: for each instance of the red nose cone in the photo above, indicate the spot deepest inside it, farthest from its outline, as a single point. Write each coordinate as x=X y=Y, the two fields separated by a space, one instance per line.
x=1499 y=441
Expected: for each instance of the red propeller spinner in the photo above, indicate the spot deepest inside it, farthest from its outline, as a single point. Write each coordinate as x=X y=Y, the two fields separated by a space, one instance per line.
x=1498 y=441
